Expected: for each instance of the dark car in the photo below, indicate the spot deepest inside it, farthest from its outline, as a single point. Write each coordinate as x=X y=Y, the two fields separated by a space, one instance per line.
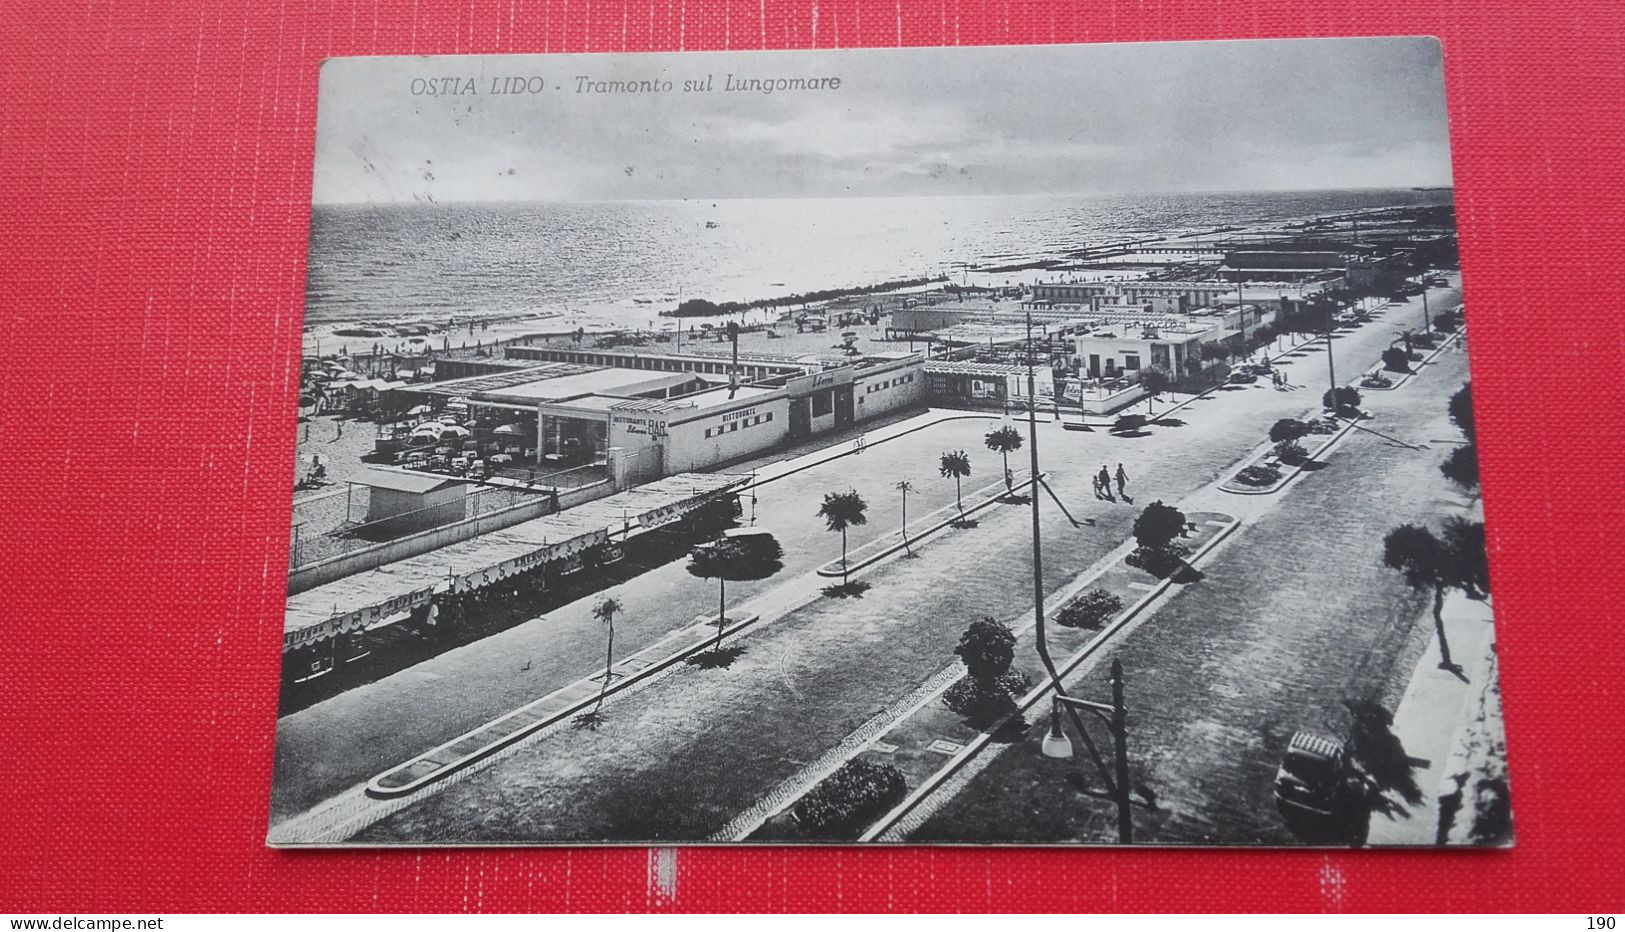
x=1320 y=792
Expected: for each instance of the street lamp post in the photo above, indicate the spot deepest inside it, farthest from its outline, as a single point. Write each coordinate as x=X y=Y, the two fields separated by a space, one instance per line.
x=1115 y=716
x=1427 y=319
x=1040 y=635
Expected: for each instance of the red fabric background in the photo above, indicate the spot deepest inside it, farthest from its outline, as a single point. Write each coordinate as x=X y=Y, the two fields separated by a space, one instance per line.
x=155 y=160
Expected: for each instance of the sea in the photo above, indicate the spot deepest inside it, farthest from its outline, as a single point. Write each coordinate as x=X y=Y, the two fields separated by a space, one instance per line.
x=620 y=263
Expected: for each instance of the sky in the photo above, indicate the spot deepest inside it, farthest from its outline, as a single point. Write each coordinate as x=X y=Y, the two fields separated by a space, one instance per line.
x=1080 y=119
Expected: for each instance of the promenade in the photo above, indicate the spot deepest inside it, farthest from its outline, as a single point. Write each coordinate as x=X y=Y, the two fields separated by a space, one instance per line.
x=824 y=669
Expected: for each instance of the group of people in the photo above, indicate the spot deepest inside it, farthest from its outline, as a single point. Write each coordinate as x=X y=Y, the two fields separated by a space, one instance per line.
x=1103 y=484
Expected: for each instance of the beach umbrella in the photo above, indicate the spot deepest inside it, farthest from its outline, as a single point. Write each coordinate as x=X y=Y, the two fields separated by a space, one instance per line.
x=418 y=409
x=454 y=430
x=509 y=429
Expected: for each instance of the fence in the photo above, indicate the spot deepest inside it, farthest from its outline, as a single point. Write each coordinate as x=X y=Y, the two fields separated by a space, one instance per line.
x=327 y=528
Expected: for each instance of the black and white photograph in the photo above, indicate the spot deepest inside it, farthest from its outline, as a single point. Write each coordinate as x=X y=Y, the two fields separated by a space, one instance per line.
x=1043 y=445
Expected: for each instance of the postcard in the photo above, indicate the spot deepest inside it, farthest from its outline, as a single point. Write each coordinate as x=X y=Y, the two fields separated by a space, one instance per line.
x=1050 y=445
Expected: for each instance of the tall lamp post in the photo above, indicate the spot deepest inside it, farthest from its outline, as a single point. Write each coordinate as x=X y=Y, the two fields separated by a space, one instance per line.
x=1040 y=635
x=1057 y=745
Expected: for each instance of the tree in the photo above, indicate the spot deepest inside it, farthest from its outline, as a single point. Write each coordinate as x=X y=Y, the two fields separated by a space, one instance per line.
x=737 y=559
x=987 y=648
x=1288 y=428
x=1158 y=525
x=840 y=511
x=956 y=465
x=1461 y=467
x=605 y=611
x=1155 y=381
x=1467 y=543
x=1461 y=411
x=904 y=486
x=1437 y=565
x=1395 y=359
x=1004 y=441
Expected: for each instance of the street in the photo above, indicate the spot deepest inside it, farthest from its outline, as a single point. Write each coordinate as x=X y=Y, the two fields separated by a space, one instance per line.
x=1224 y=673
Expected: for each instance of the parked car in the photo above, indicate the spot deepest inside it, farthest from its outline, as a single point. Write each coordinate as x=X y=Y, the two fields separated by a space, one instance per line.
x=1319 y=790
x=1242 y=377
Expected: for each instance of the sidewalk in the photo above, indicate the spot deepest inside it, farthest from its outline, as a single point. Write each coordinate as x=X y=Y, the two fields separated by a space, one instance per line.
x=1433 y=712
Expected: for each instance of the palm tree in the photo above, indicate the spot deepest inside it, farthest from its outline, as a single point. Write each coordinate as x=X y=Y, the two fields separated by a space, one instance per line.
x=1155 y=381
x=957 y=465
x=904 y=486
x=840 y=511
x=1004 y=441
x=605 y=611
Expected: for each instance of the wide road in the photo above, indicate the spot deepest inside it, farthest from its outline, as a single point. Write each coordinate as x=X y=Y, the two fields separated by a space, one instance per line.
x=680 y=757
x=1294 y=616
x=357 y=734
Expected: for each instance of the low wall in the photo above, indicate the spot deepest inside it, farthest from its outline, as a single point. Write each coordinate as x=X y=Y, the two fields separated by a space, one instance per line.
x=370 y=558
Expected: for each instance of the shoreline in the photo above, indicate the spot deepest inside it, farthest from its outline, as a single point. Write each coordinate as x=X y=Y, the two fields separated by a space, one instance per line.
x=624 y=314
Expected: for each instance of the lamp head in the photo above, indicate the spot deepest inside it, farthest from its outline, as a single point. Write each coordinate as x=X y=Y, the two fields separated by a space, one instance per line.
x=1056 y=744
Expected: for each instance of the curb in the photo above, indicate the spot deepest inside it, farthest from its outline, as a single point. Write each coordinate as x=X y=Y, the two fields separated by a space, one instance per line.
x=375 y=790
x=1413 y=373
x=886 y=822
x=1347 y=428
x=830 y=571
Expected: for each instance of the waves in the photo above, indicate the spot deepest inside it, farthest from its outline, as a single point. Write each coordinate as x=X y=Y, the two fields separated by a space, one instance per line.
x=622 y=262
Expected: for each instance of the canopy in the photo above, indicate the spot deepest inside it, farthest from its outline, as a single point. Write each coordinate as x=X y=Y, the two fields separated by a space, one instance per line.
x=510 y=429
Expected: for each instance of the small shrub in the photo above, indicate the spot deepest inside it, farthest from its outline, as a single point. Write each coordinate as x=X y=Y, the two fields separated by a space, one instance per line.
x=1347 y=399
x=1291 y=452
x=1492 y=812
x=1129 y=423
x=1424 y=340
x=1158 y=525
x=983 y=701
x=844 y=802
x=1259 y=476
x=1323 y=426
x=1446 y=325
x=1089 y=610
x=1395 y=359
x=1376 y=380
x=986 y=648
x=1288 y=428
x=1158 y=561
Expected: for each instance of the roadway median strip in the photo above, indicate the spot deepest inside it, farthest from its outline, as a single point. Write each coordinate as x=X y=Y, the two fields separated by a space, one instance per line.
x=917 y=737
x=469 y=747
x=1411 y=373
x=882 y=547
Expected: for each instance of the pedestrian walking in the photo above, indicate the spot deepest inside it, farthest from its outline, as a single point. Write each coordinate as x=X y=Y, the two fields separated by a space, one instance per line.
x=1122 y=481
x=1104 y=478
